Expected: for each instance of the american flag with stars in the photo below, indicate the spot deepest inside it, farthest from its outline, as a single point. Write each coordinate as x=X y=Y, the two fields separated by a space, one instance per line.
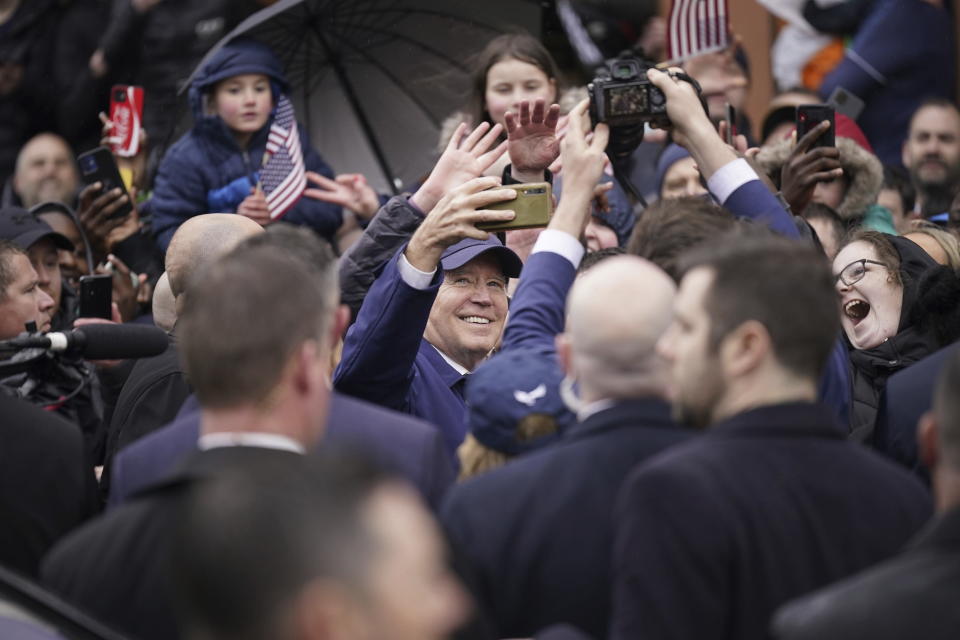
x=282 y=175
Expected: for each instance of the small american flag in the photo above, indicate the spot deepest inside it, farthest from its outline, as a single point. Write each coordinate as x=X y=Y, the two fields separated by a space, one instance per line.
x=282 y=176
x=697 y=27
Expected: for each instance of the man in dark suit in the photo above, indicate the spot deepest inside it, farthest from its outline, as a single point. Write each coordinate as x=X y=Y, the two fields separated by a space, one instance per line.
x=907 y=396
x=535 y=535
x=156 y=387
x=47 y=486
x=772 y=501
x=410 y=447
x=914 y=595
x=264 y=391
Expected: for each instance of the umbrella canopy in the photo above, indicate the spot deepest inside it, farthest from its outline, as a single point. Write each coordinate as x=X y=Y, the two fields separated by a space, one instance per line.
x=373 y=79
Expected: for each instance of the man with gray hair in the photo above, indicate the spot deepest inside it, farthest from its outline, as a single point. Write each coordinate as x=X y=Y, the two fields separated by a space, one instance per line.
x=561 y=498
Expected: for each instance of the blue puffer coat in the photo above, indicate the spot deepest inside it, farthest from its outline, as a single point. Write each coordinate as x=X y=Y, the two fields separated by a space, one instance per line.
x=206 y=171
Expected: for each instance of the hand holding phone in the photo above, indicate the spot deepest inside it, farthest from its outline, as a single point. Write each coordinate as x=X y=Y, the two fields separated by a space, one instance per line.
x=98 y=165
x=809 y=116
x=533 y=207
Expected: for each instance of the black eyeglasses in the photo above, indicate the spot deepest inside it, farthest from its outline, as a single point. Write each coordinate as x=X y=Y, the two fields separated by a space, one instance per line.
x=854 y=272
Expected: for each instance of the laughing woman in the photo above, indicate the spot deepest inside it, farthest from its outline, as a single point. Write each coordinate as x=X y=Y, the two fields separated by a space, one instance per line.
x=888 y=312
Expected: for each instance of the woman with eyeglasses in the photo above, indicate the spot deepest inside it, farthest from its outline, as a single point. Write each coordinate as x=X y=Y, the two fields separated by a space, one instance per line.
x=882 y=280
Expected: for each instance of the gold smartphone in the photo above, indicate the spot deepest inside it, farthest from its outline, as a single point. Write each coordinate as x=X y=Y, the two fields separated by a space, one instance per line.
x=533 y=207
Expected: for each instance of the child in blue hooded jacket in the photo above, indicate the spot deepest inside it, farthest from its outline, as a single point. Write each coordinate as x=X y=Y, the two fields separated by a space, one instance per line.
x=215 y=167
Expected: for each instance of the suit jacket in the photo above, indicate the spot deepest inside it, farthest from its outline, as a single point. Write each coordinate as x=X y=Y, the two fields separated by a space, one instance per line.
x=537 y=533
x=47 y=486
x=753 y=201
x=908 y=395
x=403 y=444
x=914 y=595
x=386 y=360
x=712 y=536
x=115 y=567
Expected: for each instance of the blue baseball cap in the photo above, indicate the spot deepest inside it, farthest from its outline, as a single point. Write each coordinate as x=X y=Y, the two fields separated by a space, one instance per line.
x=24 y=229
x=469 y=248
x=509 y=387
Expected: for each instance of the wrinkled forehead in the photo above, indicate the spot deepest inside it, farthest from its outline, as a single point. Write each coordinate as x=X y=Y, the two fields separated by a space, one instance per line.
x=854 y=251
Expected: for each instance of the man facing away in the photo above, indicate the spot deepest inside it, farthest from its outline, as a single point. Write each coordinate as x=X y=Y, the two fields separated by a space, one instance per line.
x=772 y=501
x=916 y=593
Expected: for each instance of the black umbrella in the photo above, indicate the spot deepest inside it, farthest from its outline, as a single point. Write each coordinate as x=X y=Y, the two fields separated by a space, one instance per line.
x=373 y=79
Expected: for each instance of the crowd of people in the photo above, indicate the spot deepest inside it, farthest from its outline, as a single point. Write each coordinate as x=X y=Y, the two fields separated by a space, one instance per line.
x=733 y=412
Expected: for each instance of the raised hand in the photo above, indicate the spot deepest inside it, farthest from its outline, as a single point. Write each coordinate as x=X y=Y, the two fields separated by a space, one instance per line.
x=464 y=158
x=349 y=190
x=583 y=163
x=532 y=137
x=95 y=211
x=454 y=218
x=805 y=168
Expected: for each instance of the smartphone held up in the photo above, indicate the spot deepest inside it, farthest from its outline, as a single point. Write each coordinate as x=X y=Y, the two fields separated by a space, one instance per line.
x=126 y=117
x=811 y=115
x=532 y=207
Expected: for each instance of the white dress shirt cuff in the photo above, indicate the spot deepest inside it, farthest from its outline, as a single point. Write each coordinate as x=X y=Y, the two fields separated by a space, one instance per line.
x=729 y=178
x=415 y=278
x=562 y=243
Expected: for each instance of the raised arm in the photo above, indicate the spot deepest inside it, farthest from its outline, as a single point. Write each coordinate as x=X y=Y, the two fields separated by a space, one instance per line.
x=537 y=309
x=466 y=157
x=731 y=180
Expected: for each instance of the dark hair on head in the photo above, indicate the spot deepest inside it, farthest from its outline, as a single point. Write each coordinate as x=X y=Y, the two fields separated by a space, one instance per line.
x=886 y=252
x=783 y=284
x=233 y=353
x=249 y=539
x=519 y=46
x=299 y=243
x=819 y=211
x=668 y=228
x=7 y=250
x=896 y=179
x=593 y=258
x=946 y=407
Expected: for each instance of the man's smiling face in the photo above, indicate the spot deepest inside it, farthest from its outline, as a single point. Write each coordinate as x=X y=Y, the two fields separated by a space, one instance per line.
x=468 y=316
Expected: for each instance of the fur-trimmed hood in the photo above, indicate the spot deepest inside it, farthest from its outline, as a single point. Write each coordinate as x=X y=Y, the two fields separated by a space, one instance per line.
x=860 y=167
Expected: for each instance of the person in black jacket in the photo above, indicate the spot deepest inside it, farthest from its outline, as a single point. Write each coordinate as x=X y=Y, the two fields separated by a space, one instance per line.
x=47 y=487
x=772 y=501
x=915 y=594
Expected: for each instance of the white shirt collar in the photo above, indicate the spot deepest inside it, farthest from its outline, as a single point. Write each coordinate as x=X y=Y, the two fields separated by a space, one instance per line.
x=594 y=408
x=459 y=368
x=264 y=440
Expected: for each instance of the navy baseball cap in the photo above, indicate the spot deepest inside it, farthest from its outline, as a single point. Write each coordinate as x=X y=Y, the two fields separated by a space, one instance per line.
x=469 y=248
x=24 y=229
x=509 y=387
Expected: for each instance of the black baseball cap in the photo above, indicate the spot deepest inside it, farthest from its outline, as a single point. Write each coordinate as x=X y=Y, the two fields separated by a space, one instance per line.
x=24 y=229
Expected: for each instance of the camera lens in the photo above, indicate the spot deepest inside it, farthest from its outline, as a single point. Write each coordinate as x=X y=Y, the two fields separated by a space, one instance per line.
x=88 y=164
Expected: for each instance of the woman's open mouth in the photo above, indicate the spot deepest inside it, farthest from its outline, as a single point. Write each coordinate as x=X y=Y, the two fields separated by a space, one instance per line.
x=856 y=310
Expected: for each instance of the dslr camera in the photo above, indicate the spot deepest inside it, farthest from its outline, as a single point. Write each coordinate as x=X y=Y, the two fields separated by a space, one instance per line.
x=622 y=96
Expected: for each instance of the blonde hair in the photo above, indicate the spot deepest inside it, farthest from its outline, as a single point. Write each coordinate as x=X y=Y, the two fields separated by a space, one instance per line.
x=947 y=240
x=477 y=458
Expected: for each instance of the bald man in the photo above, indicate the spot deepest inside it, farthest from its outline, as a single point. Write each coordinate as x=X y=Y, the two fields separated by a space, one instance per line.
x=45 y=172
x=156 y=387
x=563 y=497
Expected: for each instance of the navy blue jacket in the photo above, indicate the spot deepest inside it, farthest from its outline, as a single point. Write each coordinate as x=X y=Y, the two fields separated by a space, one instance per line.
x=908 y=395
x=387 y=361
x=712 y=536
x=902 y=54
x=407 y=446
x=536 y=534
x=207 y=159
